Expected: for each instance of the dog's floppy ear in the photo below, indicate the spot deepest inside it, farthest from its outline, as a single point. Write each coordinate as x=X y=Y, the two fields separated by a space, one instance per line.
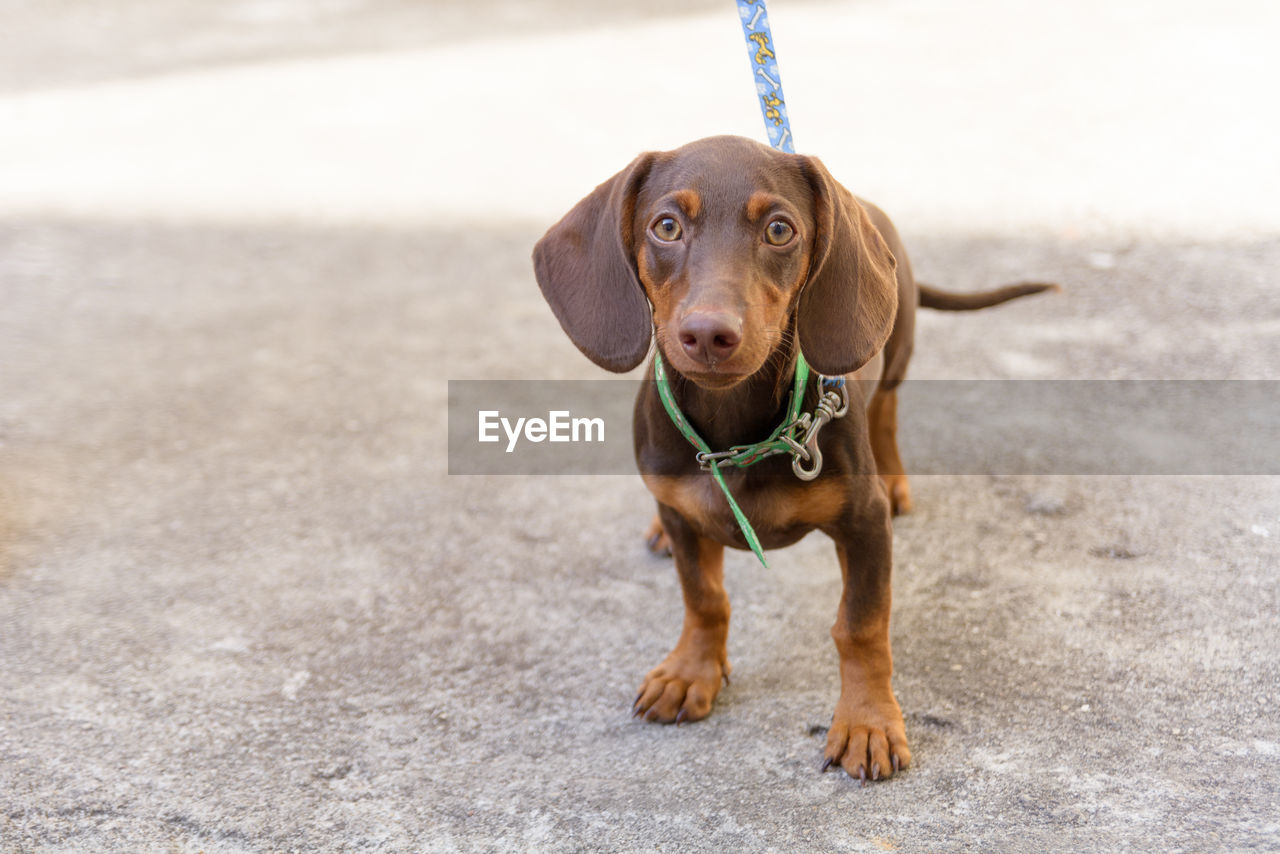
x=585 y=265
x=849 y=302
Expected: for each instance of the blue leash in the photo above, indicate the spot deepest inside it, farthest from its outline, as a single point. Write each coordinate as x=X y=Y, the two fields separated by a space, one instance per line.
x=764 y=67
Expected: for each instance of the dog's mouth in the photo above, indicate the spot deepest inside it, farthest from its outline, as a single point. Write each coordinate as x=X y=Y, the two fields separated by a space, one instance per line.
x=715 y=380
x=715 y=377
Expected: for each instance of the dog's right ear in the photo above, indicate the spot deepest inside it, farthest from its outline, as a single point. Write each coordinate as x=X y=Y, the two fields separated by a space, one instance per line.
x=586 y=268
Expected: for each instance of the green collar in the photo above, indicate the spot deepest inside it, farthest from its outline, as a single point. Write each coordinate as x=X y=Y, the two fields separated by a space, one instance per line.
x=797 y=436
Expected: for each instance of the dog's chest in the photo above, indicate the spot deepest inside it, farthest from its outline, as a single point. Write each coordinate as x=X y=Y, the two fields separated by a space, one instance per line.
x=780 y=512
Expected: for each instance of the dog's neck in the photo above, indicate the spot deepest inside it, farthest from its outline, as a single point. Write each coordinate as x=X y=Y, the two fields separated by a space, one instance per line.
x=746 y=413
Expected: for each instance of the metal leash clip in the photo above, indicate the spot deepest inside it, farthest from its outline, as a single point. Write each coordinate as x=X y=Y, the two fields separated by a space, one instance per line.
x=833 y=404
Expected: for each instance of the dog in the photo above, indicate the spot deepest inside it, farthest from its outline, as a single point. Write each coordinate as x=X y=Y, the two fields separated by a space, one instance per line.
x=737 y=260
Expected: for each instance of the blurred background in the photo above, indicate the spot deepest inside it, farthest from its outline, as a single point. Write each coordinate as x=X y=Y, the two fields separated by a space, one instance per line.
x=1101 y=117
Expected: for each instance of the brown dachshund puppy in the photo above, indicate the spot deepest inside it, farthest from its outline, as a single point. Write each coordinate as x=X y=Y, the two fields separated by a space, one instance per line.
x=737 y=258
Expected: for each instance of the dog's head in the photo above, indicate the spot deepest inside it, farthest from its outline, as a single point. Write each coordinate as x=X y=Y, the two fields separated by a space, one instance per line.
x=735 y=246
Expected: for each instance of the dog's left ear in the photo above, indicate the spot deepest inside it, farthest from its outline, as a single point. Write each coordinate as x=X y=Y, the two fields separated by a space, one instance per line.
x=849 y=302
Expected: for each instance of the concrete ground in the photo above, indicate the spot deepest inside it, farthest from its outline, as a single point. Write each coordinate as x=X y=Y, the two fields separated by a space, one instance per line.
x=243 y=608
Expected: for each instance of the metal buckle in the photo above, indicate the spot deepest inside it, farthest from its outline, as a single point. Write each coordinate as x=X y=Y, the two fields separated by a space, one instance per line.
x=708 y=460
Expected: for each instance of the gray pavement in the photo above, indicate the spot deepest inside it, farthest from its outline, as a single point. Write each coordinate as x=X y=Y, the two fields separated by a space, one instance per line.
x=243 y=608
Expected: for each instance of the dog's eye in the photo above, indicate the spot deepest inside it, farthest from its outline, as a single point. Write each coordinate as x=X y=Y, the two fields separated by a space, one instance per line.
x=779 y=232
x=667 y=229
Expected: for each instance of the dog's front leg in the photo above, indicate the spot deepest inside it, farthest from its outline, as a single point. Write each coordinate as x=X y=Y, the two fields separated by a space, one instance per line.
x=867 y=736
x=683 y=687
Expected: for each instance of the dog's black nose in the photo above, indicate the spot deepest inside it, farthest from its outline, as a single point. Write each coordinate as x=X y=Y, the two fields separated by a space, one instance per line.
x=710 y=337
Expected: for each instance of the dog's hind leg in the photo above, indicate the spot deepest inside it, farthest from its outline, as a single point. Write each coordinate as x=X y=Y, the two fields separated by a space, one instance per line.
x=655 y=539
x=882 y=415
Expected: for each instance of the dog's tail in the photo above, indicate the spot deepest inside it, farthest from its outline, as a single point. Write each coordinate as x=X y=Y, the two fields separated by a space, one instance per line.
x=931 y=297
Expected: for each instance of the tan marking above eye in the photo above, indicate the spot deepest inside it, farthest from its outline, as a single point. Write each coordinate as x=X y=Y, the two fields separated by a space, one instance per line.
x=689 y=201
x=759 y=204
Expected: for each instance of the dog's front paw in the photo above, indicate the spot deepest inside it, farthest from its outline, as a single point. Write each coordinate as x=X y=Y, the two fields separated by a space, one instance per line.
x=681 y=688
x=868 y=740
